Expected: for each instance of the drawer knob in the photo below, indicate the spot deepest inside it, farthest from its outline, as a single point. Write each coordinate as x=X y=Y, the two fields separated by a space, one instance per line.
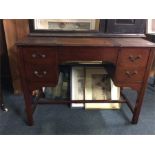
x=134 y=58
x=40 y=74
x=34 y=55
x=130 y=74
x=43 y=55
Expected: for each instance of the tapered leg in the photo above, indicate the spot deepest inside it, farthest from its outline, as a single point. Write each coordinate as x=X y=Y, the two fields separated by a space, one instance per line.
x=28 y=106
x=141 y=91
x=138 y=106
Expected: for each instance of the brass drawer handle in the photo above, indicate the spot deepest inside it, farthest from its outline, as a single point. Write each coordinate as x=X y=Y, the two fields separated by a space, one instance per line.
x=43 y=55
x=130 y=74
x=34 y=55
x=134 y=58
x=40 y=75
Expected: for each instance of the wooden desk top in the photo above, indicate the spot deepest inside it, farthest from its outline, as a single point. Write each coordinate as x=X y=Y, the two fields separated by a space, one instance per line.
x=72 y=41
x=133 y=42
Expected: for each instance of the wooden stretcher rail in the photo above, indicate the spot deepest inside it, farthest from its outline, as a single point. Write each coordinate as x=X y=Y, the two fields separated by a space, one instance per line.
x=48 y=101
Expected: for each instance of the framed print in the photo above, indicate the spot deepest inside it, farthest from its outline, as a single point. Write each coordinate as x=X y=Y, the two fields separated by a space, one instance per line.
x=77 y=86
x=151 y=26
x=99 y=86
x=66 y=24
x=126 y=26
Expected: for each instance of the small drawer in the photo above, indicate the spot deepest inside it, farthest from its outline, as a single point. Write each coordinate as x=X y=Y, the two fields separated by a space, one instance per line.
x=131 y=57
x=130 y=75
x=42 y=73
x=40 y=54
x=88 y=54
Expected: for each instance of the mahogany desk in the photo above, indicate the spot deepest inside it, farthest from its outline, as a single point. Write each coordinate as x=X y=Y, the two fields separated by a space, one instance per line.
x=40 y=57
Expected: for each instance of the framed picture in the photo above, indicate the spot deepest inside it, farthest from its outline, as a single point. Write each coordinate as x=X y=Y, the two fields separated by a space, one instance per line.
x=99 y=86
x=66 y=24
x=150 y=26
x=77 y=86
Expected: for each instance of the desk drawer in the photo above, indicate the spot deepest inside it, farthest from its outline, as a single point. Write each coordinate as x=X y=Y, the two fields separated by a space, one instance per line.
x=43 y=55
x=42 y=73
x=130 y=75
x=131 y=57
x=87 y=54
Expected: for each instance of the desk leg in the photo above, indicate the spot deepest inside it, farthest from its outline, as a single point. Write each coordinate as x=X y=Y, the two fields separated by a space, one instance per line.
x=28 y=106
x=141 y=91
x=138 y=106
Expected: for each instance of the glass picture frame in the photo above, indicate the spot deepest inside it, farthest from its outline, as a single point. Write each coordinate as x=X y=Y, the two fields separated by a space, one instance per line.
x=77 y=89
x=99 y=86
x=90 y=89
x=67 y=24
x=150 y=26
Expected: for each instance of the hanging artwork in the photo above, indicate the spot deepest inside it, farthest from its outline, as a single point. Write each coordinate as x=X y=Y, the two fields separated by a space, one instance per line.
x=151 y=26
x=66 y=24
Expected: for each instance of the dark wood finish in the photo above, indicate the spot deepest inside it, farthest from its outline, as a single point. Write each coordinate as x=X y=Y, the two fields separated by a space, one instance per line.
x=151 y=37
x=129 y=57
x=130 y=60
x=84 y=42
x=86 y=35
x=26 y=90
x=39 y=62
x=40 y=73
x=131 y=64
x=141 y=91
x=129 y=75
x=46 y=101
x=87 y=54
x=40 y=55
x=69 y=42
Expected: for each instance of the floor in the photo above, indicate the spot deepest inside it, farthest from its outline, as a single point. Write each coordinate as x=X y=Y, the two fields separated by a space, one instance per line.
x=62 y=120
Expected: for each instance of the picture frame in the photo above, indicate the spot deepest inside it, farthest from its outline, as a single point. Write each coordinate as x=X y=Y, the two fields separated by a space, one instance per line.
x=78 y=89
x=99 y=86
x=67 y=24
x=150 y=26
